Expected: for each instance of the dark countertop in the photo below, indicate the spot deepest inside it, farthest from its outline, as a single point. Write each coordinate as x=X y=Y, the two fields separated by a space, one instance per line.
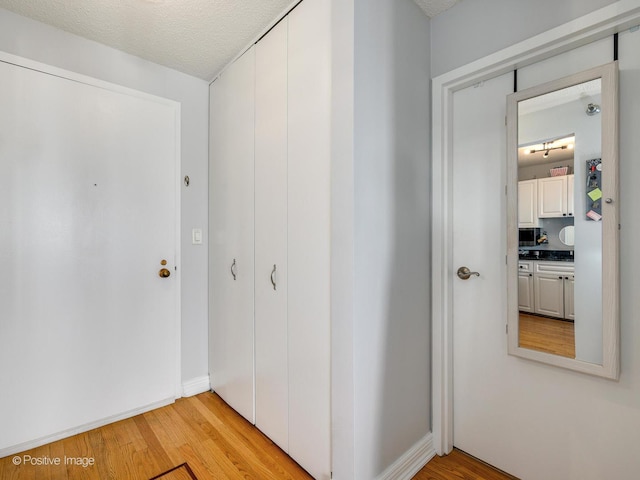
x=550 y=255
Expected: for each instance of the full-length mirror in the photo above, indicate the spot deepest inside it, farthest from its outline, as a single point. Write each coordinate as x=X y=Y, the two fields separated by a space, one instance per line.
x=563 y=222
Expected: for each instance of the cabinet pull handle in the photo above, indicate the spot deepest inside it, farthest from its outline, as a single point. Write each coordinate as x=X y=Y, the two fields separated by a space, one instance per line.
x=233 y=269
x=273 y=277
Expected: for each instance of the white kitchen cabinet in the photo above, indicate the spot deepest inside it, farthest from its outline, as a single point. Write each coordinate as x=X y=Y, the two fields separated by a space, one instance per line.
x=553 y=289
x=554 y=198
x=525 y=287
x=289 y=298
x=231 y=235
x=525 y=292
x=528 y=204
x=549 y=295
x=569 y=309
x=570 y=199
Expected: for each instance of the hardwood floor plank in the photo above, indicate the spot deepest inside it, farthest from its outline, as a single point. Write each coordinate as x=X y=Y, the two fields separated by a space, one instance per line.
x=460 y=466
x=76 y=450
x=216 y=442
x=154 y=446
x=547 y=335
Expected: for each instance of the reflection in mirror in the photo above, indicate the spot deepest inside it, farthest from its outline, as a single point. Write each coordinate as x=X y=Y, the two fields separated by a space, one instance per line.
x=567 y=235
x=562 y=230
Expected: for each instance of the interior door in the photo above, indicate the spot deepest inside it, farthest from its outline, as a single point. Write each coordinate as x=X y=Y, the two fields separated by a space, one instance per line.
x=525 y=418
x=88 y=211
x=231 y=254
x=480 y=343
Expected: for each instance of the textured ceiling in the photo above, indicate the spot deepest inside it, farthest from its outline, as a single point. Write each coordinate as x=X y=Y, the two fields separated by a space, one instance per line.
x=197 y=37
x=434 y=7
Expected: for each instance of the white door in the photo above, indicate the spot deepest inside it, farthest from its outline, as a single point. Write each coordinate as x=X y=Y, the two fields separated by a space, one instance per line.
x=309 y=227
x=480 y=342
x=271 y=348
x=528 y=419
x=231 y=237
x=88 y=203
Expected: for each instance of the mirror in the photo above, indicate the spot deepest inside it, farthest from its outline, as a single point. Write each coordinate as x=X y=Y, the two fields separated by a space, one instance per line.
x=567 y=236
x=562 y=222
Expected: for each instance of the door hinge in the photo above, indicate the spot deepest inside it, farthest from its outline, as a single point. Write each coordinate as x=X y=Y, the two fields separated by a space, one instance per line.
x=506 y=259
x=507 y=329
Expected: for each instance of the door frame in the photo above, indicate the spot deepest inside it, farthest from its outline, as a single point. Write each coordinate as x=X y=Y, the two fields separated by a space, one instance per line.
x=586 y=29
x=176 y=106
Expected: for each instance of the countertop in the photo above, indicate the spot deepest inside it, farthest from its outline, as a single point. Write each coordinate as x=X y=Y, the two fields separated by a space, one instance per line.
x=549 y=255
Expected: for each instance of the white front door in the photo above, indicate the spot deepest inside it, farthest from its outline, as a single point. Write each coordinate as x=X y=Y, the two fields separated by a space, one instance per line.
x=89 y=331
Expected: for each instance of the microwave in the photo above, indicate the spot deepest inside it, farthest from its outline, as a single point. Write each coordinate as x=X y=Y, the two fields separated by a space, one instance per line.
x=528 y=237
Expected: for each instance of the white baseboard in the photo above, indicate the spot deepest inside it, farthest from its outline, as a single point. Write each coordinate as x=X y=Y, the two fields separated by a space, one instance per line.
x=406 y=467
x=195 y=386
x=21 y=447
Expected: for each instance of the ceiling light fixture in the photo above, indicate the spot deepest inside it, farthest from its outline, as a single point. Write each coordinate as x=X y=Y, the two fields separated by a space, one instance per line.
x=546 y=148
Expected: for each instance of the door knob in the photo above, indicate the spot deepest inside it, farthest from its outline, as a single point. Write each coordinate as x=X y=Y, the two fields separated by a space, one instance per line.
x=464 y=273
x=164 y=273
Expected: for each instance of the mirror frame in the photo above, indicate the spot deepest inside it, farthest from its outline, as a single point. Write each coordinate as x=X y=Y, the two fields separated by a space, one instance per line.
x=610 y=367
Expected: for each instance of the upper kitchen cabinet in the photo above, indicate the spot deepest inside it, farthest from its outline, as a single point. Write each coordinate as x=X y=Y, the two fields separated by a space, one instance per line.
x=528 y=204
x=555 y=197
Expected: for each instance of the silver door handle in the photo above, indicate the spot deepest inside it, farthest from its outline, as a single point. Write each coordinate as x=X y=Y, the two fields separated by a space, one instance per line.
x=273 y=277
x=233 y=269
x=464 y=273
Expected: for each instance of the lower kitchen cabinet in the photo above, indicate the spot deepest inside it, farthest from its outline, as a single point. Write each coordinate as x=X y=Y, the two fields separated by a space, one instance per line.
x=525 y=287
x=549 y=295
x=569 y=311
x=546 y=288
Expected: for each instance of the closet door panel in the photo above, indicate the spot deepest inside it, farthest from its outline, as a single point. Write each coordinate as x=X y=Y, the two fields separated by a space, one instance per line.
x=309 y=96
x=231 y=235
x=271 y=236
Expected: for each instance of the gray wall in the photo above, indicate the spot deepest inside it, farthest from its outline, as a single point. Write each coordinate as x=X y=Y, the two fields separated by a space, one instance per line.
x=473 y=29
x=392 y=346
x=42 y=43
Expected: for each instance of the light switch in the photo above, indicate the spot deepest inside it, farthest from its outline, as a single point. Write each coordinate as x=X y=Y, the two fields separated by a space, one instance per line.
x=196 y=236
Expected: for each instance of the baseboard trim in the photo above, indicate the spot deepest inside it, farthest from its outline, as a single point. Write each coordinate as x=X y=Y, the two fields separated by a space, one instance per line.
x=412 y=461
x=21 y=447
x=195 y=386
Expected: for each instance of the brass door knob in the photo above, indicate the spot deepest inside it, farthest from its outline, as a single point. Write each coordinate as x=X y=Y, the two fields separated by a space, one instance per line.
x=164 y=273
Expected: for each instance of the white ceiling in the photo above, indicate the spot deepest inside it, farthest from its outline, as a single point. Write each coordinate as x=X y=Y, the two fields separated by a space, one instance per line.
x=197 y=37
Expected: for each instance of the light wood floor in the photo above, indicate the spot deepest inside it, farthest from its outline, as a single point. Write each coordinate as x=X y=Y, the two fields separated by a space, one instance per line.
x=202 y=431
x=460 y=466
x=547 y=335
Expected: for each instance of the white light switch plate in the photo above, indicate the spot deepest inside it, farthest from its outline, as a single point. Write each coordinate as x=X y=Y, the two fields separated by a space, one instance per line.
x=196 y=236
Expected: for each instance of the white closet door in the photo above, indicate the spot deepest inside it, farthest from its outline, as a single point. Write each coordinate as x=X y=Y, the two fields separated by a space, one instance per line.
x=271 y=236
x=232 y=235
x=309 y=100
